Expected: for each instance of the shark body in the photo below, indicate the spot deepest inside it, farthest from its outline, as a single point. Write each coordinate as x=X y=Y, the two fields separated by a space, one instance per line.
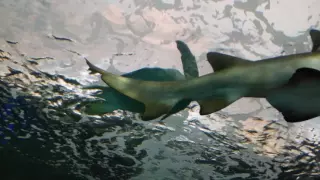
x=233 y=79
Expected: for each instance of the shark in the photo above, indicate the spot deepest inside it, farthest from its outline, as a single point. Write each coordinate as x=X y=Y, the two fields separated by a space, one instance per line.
x=111 y=99
x=232 y=79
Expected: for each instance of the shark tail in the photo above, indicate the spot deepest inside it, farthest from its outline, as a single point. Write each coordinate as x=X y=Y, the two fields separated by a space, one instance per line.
x=147 y=92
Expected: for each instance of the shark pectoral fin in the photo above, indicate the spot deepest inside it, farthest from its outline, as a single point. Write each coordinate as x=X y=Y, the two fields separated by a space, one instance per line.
x=211 y=106
x=219 y=61
x=180 y=105
x=315 y=37
x=292 y=117
x=304 y=79
x=154 y=110
x=214 y=105
x=303 y=75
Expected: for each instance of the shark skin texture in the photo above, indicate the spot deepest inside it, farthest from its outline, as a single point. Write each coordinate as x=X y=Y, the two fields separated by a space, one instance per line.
x=233 y=79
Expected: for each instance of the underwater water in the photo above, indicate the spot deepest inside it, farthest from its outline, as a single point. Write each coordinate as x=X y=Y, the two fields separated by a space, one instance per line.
x=44 y=133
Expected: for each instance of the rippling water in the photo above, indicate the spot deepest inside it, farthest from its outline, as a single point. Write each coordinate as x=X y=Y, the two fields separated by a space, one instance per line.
x=45 y=135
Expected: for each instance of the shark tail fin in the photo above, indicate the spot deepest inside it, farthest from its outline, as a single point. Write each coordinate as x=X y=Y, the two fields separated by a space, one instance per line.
x=94 y=69
x=147 y=92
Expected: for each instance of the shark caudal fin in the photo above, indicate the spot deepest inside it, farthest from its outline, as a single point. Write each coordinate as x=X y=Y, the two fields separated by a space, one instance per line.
x=150 y=93
x=315 y=37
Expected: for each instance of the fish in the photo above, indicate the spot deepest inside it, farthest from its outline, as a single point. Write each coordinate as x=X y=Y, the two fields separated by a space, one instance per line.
x=232 y=79
x=112 y=100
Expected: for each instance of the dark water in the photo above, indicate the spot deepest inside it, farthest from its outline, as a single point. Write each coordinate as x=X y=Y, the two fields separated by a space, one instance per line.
x=44 y=133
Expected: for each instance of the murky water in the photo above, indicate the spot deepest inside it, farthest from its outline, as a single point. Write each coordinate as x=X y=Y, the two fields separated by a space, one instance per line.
x=45 y=135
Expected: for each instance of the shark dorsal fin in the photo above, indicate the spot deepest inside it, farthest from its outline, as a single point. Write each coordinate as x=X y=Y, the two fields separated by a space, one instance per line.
x=219 y=61
x=189 y=62
x=315 y=37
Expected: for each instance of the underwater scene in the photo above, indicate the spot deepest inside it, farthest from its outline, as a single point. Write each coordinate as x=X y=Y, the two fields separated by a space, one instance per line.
x=63 y=117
